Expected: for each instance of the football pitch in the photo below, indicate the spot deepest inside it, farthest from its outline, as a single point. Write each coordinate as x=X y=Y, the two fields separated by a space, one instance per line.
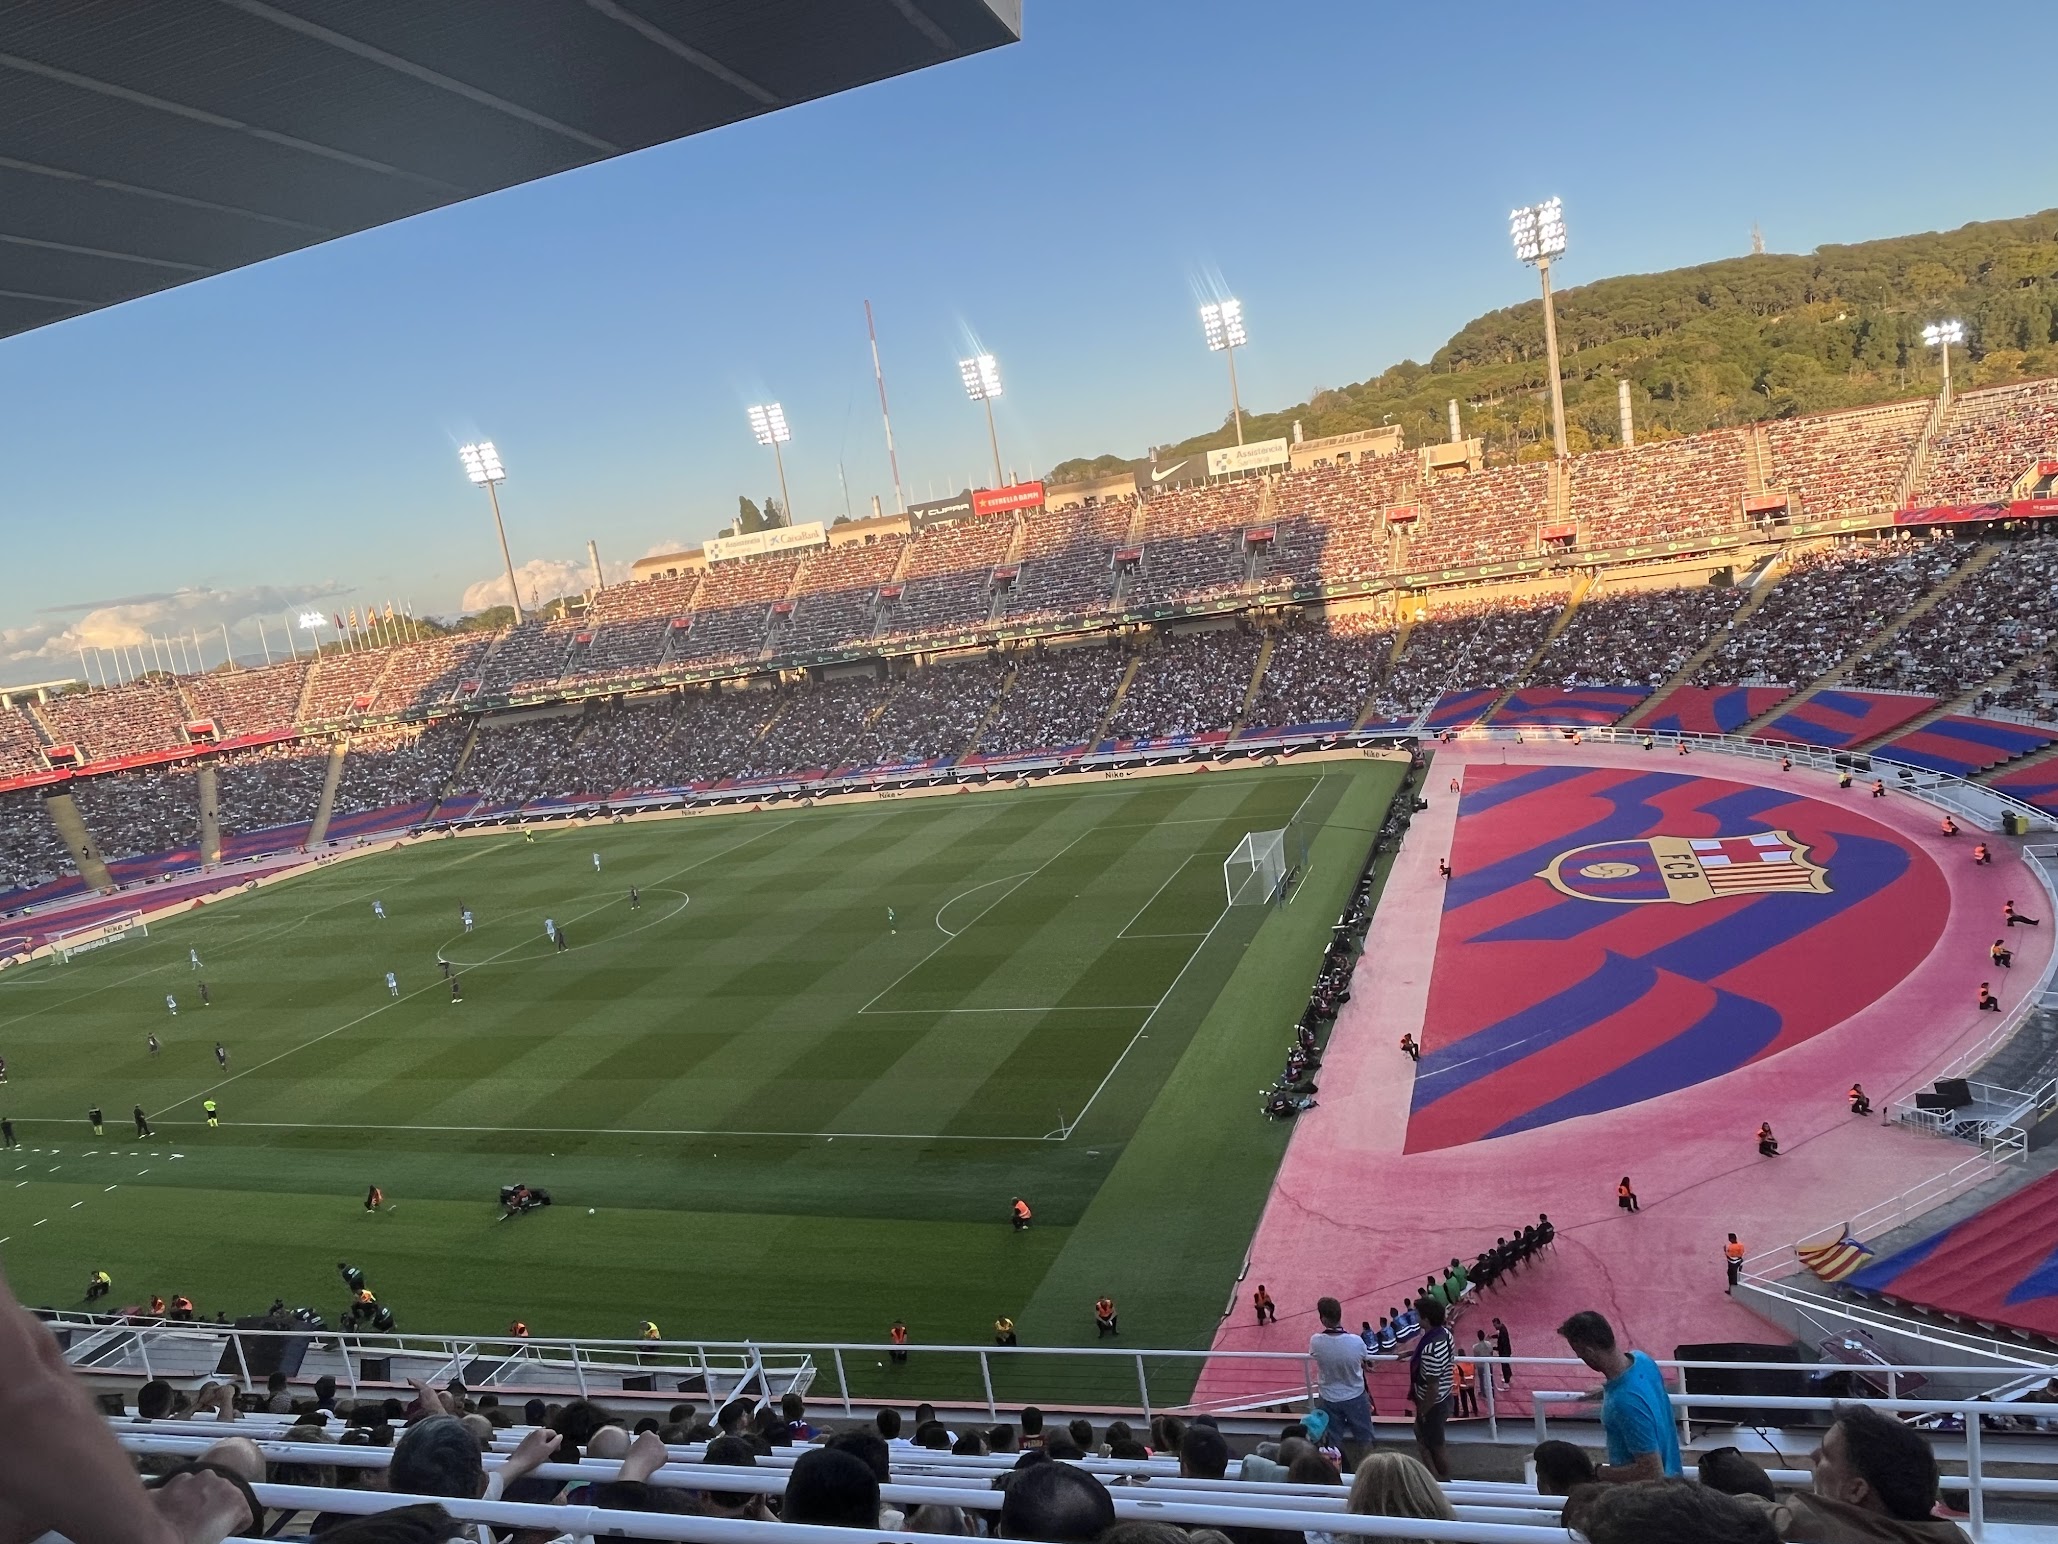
x=789 y=1094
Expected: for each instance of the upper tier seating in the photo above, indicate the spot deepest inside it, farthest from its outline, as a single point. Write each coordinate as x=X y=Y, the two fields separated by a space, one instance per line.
x=427 y=674
x=21 y=744
x=949 y=576
x=248 y=701
x=733 y=607
x=340 y=679
x=1478 y=516
x=131 y=720
x=1193 y=541
x=1068 y=561
x=1667 y=490
x=1847 y=463
x=1988 y=439
x=839 y=598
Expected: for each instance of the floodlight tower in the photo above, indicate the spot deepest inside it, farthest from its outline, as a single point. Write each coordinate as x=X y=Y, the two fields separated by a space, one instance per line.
x=1941 y=335
x=482 y=466
x=981 y=376
x=1222 y=325
x=768 y=424
x=1538 y=231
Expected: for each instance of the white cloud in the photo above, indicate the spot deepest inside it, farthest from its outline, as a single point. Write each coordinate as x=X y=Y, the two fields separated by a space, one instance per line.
x=51 y=648
x=542 y=581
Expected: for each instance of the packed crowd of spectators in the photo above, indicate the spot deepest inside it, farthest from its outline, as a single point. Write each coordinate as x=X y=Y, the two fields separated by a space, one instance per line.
x=1068 y=561
x=816 y=726
x=1191 y=683
x=1321 y=673
x=1669 y=490
x=1058 y=699
x=21 y=745
x=129 y=720
x=272 y=785
x=1990 y=438
x=947 y=583
x=1827 y=604
x=1636 y=637
x=155 y=809
x=339 y=681
x=2002 y=614
x=1465 y=644
x=842 y=610
x=401 y=765
x=247 y=701
x=1846 y=463
x=934 y=714
x=31 y=851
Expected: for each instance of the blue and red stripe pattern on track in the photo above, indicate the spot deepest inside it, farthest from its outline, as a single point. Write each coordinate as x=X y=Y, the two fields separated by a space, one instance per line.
x=1999 y=1266
x=1545 y=1006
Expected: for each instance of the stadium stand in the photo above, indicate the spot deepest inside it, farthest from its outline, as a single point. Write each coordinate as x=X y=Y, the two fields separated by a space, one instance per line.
x=340 y=683
x=712 y=736
x=1321 y=675
x=1637 y=637
x=1193 y=684
x=397 y=767
x=816 y=726
x=1988 y=440
x=1058 y=699
x=138 y=814
x=271 y=786
x=130 y=720
x=947 y=585
x=732 y=609
x=1068 y=561
x=244 y=702
x=1837 y=720
x=1846 y=463
x=931 y=718
x=427 y=674
x=1673 y=490
x=1194 y=542
x=1465 y=644
x=1831 y=601
x=21 y=745
x=528 y=655
x=1993 y=1268
x=2000 y=616
x=31 y=852
x=839 y=601
x=1331 y=518
x=1479 y=516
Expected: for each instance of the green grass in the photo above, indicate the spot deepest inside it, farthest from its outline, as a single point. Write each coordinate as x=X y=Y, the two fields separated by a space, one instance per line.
x=790 y=1120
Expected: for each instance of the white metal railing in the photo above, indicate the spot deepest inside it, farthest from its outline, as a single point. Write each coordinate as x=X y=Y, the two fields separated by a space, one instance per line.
x=1840 y=1316
x=1895 y=1210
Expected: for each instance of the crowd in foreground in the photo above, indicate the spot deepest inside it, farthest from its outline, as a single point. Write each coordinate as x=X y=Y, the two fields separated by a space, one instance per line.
x=64 y=1470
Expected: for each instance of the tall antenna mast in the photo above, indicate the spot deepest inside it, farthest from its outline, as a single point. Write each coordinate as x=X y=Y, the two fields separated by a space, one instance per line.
x=900 y=503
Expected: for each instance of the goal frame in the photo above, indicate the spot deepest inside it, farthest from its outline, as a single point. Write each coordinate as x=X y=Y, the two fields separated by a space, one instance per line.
x=111 y=930
x=1253 y=873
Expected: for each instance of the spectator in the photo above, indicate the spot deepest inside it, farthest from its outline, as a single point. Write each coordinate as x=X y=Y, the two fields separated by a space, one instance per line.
x=1340 y=1358
x=1874 y=1479
x=1396 y=1485
x=832 y=1488
x=1055 y=1504
x=1560 y=1466
x=1203 y=1454
x=1676 y=1511
x=1431 y=1367
x=1636 y=1413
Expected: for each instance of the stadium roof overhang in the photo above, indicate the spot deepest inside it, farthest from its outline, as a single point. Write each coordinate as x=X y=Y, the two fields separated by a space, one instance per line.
x=148 y=143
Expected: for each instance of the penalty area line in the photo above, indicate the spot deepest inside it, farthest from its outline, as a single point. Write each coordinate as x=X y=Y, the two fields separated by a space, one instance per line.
x=640 y=1131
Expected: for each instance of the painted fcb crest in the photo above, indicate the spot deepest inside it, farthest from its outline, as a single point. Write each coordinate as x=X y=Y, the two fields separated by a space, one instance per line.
x=1686 y=869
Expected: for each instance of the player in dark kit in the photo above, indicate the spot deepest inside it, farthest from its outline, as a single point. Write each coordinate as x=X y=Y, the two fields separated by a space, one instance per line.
x=93 y=1115
x=142 y=1123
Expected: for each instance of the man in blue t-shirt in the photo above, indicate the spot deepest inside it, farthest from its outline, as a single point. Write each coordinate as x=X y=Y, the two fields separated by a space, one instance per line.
x=1636 y=1414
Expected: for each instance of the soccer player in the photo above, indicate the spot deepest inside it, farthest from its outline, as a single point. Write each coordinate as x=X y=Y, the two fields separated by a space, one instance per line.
x=467 y=913
x=392 y=984
x=213 y=1113
x=93 y=1115
x=172 y=1003
x=596 y=863
x=635 y=899
x=456 y=992
x=3 y=1069
x=154 y=1046
x=890 y=919
x=353 y=1278
x=142 y=1123
x=205 y=1000
x=379 y=910
x=374 y=1198
x=194 y=956
x=221 y=1054
x=550 y=929
x=446 y=966
x=561 y=944
x=7 y=1133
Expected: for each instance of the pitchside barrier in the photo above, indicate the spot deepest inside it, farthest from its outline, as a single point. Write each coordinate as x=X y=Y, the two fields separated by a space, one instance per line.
x=114 y=930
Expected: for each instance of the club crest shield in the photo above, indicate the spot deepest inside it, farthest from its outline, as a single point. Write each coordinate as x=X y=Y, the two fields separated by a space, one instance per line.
x=1684 y=870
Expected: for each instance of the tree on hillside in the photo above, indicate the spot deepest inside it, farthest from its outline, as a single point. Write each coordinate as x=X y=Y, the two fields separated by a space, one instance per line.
x=1730 y=342
x=748 y=517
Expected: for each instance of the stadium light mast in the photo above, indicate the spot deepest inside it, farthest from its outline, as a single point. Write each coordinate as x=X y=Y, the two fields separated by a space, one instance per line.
x=482 y=466
x=1941 y=335
x=1538 y=231
x=981 y=376
x=768 y=423
x=1222 y=325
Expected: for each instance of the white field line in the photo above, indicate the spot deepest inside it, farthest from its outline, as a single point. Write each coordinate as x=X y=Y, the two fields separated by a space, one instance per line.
x=635 y=1131
x=436 y=982
x=989 y=884
x=1146 y=906
x=982 y=911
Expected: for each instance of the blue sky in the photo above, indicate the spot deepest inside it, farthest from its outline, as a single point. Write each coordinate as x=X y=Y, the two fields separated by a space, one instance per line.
x=1345 y=168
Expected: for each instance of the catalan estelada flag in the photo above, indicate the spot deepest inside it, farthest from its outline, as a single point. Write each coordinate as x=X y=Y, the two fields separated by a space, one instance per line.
x=1835 y=1262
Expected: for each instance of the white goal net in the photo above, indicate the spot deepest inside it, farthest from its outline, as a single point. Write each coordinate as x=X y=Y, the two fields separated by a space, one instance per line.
x=1254 y=872
x=81 y=940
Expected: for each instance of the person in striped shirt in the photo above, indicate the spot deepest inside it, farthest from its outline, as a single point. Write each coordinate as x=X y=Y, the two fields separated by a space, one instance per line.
x=1431 y=1367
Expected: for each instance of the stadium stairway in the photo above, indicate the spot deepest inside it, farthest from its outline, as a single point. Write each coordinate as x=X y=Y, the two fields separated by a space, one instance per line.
x=1582 y=584
x=64 y=814
x=1834 y=676
x=1007 y=684
x=325 y=808
x=464 y=754
x=1250 y=691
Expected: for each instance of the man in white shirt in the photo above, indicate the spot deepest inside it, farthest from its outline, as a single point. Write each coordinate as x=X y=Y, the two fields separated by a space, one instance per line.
x=1339 y=1357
